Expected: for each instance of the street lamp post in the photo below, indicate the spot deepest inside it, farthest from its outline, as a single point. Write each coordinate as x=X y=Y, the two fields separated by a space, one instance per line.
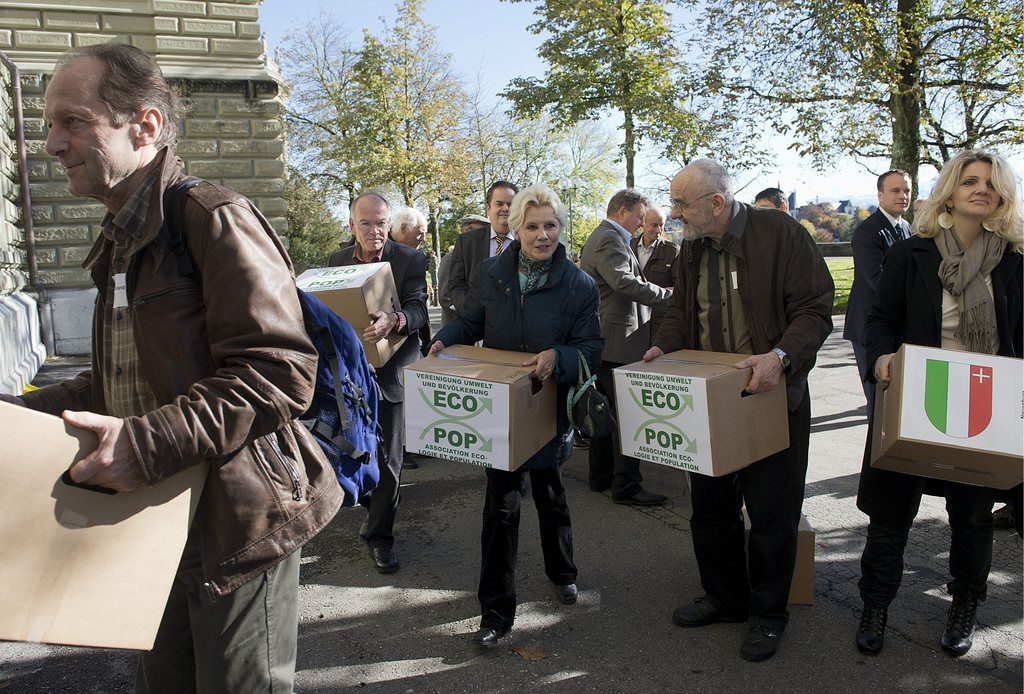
x=569 y=186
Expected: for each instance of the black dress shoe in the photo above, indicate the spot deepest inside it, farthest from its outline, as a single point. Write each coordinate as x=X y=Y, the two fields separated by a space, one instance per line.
x=384 y=559
x=566 y=594
x=641 y=497
x=701 y=613
x=960 y=625
x=871 y=632
x=488 y=636
x=760 y=643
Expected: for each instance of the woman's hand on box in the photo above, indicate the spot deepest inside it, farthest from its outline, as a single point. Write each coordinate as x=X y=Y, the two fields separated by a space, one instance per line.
x=653 y=353
x=543 y=363
x=435 y=347
x=883 y=369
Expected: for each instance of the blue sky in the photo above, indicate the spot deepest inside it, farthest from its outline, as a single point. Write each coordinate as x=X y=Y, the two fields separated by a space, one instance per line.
x=490 y=38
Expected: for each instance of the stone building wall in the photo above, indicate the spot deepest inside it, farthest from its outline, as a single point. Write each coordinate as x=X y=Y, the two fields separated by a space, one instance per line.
x=21 y=352
x=213 y=53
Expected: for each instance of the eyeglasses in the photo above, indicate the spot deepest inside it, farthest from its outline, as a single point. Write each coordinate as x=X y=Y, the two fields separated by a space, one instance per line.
x=366 y=225
x=682 y=204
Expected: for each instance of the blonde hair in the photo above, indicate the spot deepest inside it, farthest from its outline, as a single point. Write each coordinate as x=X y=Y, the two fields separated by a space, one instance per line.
x=1006 y=221
x=537 y=195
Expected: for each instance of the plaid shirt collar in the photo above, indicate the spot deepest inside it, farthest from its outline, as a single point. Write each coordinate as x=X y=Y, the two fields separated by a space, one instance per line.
x=127 y=226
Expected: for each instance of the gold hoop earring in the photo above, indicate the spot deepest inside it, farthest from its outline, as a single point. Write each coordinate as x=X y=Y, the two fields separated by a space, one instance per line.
x=945 y=219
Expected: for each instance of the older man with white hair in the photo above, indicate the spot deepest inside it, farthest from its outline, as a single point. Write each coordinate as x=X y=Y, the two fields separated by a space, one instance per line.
x=748 y=281
x=409 y=227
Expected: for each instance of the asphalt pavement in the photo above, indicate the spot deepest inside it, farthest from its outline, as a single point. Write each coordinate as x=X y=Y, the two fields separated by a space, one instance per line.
x=409 y=631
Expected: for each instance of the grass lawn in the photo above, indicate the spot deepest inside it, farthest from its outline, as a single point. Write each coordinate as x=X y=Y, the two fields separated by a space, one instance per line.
x=842 y=275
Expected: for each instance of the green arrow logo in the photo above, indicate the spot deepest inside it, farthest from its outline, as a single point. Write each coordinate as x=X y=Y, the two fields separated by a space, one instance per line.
x=664 y=420
x=449 y=419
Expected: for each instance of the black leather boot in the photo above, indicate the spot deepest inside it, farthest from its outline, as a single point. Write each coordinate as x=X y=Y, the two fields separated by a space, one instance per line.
x=871 y=633
x=960 y=625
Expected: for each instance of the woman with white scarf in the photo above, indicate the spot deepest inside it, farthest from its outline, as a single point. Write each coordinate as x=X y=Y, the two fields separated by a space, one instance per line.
x=955 y=285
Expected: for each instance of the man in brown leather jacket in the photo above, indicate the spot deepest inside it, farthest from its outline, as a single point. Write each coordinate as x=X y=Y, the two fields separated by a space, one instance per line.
x=211 y=367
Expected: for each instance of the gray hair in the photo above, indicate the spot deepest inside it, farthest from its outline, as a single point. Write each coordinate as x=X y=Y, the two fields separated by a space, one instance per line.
x=409 y=216
x=537 y=195
x=628 y=198
x=713 y=178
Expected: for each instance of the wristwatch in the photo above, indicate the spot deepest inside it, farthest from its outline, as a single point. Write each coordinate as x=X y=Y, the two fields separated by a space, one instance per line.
x=784 y=358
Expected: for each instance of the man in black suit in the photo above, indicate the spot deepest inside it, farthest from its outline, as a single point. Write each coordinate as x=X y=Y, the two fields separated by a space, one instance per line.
x=871 y=239
x=444 y=267
x=485 y=242
x=370 y=221
x=656 y=255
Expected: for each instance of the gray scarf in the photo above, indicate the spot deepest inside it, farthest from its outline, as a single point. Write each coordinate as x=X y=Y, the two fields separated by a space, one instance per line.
x=962 y=273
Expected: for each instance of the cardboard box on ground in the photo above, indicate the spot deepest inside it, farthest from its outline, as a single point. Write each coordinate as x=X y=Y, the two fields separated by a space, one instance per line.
x=83 y=567
x=688 y=410
x=354 y=292
x=477 y=405
x=949 y=415
x=801 y=591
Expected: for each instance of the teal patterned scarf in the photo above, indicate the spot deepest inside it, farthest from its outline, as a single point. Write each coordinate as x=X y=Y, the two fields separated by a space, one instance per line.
x=532 y=273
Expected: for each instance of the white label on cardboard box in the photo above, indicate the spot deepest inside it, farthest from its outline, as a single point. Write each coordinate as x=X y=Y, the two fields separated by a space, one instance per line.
x=331 y=278
x=456 y=418
x=664 y=419
x=962 y=399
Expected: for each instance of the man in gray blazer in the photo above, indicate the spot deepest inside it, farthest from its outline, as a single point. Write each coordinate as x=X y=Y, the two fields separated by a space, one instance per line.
x=625 y=326
x=370 y=220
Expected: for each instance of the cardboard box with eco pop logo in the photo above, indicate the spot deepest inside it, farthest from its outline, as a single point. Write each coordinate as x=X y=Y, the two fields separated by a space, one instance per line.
x=956 y=416
x=479 y=406
x=689 y=410
x=354 y=292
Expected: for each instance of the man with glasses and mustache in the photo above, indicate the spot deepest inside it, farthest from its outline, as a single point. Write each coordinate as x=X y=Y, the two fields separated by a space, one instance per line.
x=748 y=281
x=370 y=221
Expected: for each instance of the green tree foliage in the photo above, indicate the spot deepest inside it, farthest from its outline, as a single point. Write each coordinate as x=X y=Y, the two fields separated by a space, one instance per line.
x=829 y=225
x=913 y=81
x=601 y=55
x=313 y=231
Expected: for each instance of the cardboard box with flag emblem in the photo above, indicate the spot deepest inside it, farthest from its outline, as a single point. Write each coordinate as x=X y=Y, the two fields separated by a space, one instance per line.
x=477 y=405
x=690 y=410
x=956 y=416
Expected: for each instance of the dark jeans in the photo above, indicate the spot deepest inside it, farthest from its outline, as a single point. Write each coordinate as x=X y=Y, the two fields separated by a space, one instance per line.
x=860 y=354
x=607 y=464
x=755 y=579
x=243 y=642
x=970 y=548
x=499 y=540
x=378 y=530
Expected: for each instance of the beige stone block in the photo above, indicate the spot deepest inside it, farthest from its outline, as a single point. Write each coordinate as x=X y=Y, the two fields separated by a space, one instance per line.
x=249 y=30
x=74 y=255
x=38 y=171
x=180 y=7
x=268 y=168
x=20 y=18
x=220 y=168
x=42 y=214
x=220 y=27
x=280 y=225
x=251 y=148
x=46 y=257
x=42 y=39
x=32 y=104
x=80 y=213
x=257 y=186
x=237 y=107
x=5 y=38
x=130 y=23
x=223 y=9
x=166 y=24
x=266 y=128
x=245 y=47
x=197 y=148
x=200 y=106
x=63 y=234
x=271 y=205
x=83 y=40
x=50 y=191
x=199 y=127
x=76 y=21
x=35 y=148
x=34 y=126
x=181 y=44
x=64 y=278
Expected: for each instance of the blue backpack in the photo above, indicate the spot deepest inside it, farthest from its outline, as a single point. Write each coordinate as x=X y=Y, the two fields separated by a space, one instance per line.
x=343 y=414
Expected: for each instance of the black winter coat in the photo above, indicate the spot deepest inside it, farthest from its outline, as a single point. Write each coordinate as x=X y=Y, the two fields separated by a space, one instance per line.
x=908 y=309
x=561 y=315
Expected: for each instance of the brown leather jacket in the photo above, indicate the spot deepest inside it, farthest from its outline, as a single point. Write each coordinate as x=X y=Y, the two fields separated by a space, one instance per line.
x=228 y=358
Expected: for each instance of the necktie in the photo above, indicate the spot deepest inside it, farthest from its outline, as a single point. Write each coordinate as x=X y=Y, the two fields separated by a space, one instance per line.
x=498 y=243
